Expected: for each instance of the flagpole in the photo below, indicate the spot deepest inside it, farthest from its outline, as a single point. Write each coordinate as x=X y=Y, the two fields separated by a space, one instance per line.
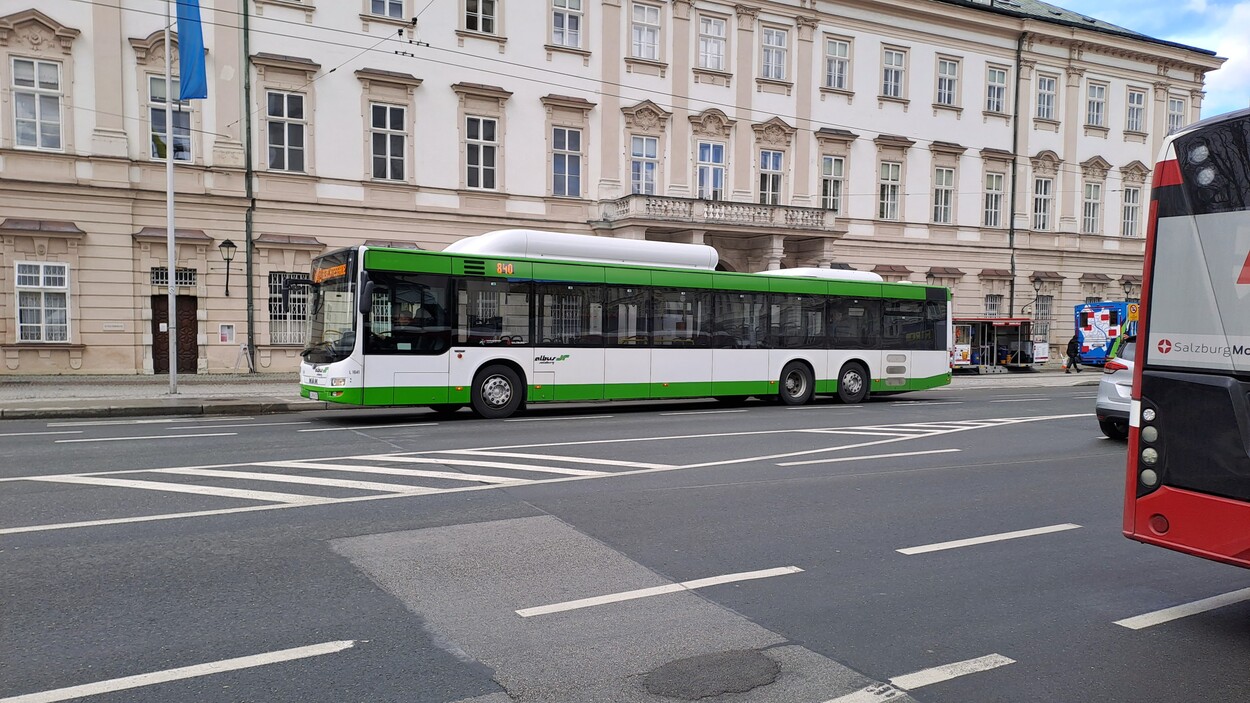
x=172 y=307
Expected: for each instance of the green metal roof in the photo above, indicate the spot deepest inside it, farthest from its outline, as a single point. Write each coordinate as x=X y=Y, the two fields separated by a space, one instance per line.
x=1045 y=12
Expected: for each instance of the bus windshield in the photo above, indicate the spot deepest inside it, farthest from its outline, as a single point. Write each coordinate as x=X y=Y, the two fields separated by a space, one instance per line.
x=332 y=319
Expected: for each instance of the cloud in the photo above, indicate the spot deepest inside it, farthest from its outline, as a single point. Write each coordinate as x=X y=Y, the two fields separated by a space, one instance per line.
x=1229 y=87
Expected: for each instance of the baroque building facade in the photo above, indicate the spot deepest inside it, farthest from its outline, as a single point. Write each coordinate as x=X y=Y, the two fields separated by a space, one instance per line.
x=1003 y=148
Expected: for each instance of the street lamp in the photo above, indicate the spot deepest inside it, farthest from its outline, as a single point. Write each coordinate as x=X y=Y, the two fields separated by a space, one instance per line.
x=227 y=249
x=1128 y=288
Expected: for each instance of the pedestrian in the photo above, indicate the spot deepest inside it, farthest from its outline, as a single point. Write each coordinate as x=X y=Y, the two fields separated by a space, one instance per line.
x=1074 y=349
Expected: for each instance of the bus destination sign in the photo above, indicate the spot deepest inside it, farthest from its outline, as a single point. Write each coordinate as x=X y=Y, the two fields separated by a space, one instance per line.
x=324 y=274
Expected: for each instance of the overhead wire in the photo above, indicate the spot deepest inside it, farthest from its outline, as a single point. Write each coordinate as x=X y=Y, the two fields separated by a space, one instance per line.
x=1074 y=169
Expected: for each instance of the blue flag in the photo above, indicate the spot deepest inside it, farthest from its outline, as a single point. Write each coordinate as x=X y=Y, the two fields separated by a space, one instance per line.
x=191 y=52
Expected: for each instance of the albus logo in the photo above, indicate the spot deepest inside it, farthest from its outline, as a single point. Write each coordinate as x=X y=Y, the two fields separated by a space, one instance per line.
x=1165 y=346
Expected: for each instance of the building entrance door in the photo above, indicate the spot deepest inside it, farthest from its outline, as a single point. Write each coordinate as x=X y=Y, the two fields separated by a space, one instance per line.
x=187 y=328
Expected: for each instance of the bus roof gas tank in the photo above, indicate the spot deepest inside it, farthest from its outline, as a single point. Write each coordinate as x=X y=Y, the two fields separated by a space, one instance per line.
x=537 y=244
x=827 y=274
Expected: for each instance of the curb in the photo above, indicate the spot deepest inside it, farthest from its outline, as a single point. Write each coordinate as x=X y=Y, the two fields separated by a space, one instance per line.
x=207 y=407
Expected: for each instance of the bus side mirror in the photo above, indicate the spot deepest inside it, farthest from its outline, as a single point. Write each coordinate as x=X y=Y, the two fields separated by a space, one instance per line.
x=366 y=296
x=286 y=291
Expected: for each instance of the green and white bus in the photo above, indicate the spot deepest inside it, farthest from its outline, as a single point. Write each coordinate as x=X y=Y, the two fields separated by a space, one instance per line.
x=519 y=316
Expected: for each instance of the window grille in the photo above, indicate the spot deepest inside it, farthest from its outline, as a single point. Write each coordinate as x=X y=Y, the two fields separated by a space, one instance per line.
x=291 y=326
x=182 y=277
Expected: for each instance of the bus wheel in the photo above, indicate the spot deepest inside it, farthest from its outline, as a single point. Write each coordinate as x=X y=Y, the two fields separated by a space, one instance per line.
x=852 y=384
x=497 y=392
x=797 y=384
x=446 y=408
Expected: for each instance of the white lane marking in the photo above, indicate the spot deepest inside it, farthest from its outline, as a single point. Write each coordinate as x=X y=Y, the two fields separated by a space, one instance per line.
x=452 y=475
x=558 y=419
x=251 y=424
x=955 y=544
x=704 y=412
x=1084 y=397
x=480 y=464
x=867 y=433
x=1159 y=617
x=877 y=693
x=307 y=480
x=825 y=407
x=560 y=457
x=183 y=488
x=148 y=437
x=862 y=458
x=927 y=402
x=161 y=421
x=938 y=674
x=1021 y=400
x=370 y=427
x=655 y=591
x=182 y=672
x=34 y=434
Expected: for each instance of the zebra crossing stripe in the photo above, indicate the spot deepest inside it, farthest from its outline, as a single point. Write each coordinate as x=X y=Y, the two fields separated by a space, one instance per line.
x=480 y=464
x=451 y=475
x=307 y=480
x=557 y=457
x=266 y=496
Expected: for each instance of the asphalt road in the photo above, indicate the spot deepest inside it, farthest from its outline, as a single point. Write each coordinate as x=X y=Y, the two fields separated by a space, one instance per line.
x=649 y=552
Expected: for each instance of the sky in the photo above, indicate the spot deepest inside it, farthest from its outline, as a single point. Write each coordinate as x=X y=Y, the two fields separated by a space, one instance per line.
x=1222 y=26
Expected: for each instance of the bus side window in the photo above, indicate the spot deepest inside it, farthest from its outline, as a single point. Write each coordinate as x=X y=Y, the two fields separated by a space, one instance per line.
x=625 y=317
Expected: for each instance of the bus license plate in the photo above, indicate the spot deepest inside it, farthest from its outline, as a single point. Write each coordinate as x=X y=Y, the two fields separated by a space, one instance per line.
x=312 y=395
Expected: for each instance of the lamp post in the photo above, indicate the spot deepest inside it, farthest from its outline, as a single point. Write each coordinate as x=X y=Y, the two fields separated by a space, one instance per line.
x=227 y=249
x=1128 y=288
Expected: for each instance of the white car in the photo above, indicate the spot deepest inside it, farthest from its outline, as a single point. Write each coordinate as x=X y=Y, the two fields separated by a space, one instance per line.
x=1115 y=391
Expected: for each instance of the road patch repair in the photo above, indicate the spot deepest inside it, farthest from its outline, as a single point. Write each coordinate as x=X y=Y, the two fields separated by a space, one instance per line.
x=468 y=582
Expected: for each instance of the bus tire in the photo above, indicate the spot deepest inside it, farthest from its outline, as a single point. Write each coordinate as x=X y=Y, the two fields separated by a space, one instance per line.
x=446 y=408
x=797 y=384
x=852 y=383
x=497 y=392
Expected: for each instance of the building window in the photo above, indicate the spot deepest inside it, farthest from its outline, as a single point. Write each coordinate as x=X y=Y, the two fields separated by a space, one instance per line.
x=1046 y=86
x=182 y=121
x=711 y=170
x=837 y=64
x=831 y=170
x=1043 y=202
x=480 y=16
x=566 y=162
x=388 y=137
x=1136 y=118
x=774 y=63
x=889 y=185
x=996 y=89
x=994 y=199
x=289 y=326
x=1092 y=208
x=387 y=8
x=37 y=104
x=943 y=194
x=566 y=23
x=712 y=43
x=993 y=304
x=1096 y=105
x=1132 y=211
x=948 y=82
x=771 y=163
x=42 y=302
x=482 y=152
x=183 y=277
x=1176 y=114
x=646 y=32
x=1041 y=320
x=893 y=65
x=286 y=131
x=644 y=163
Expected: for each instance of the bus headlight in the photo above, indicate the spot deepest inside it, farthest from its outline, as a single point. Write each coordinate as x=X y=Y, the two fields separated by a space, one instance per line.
x=1148 y=414
x=338 y=382
x=1149 y=456
x=1149 y=478
x=1149 y=433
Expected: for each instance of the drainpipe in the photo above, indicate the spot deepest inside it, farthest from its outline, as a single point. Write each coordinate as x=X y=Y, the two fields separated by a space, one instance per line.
x=248 y=246
x=1015 y=146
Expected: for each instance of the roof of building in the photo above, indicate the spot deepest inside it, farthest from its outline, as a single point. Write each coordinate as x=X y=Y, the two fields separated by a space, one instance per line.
x=1045 y=12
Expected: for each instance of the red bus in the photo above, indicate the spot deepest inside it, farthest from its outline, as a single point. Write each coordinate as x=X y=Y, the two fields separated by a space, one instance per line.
x=1188 y=481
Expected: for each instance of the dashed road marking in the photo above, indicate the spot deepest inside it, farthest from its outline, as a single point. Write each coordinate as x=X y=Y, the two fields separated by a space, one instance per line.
x=1158 y=617
x=148 y=437
x=1002 y=536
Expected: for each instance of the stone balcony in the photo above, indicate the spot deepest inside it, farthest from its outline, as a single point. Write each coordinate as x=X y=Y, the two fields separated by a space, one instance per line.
x=660 y=212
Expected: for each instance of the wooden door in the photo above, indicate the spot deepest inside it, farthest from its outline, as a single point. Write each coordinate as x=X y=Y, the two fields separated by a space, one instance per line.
x=187 y=330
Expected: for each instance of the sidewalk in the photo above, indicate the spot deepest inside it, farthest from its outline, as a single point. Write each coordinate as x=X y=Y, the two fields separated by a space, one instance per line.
x=30 y=397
